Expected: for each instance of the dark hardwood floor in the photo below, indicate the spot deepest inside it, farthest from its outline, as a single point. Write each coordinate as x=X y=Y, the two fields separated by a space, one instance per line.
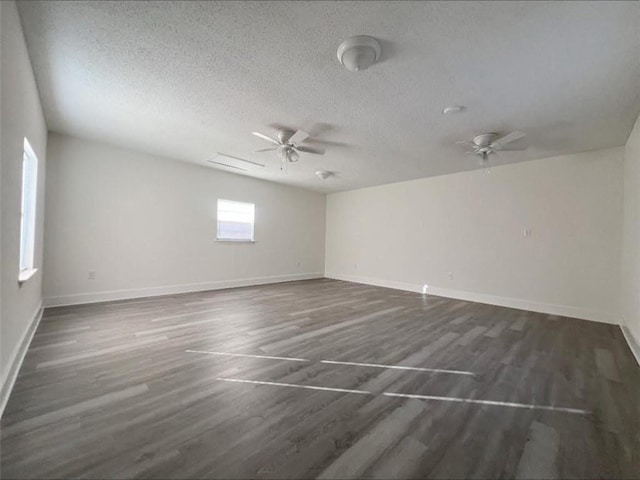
x=148 y=388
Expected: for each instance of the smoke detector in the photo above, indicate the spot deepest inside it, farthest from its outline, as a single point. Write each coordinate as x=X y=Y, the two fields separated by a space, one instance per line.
x=453 y=109
x=359 y=53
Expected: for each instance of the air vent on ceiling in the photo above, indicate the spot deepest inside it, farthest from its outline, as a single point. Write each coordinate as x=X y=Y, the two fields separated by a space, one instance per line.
x=228 y=161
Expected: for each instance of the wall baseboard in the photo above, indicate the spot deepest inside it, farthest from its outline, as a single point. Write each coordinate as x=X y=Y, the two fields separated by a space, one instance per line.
x=18 y=357
x=632 y=341
x=562 y=310
x=95 y=297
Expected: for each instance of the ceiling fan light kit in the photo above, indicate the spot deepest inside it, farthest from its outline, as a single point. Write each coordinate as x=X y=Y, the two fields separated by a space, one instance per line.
x=359 y=53
x=289 y=154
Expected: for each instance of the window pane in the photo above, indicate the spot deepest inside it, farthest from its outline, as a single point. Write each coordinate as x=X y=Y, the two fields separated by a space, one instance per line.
x=235 y=220
x=235 y=230
x=28 y=207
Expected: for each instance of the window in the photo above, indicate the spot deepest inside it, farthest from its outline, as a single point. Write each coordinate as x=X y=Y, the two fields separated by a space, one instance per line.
x=28 y=211
x=235 y=221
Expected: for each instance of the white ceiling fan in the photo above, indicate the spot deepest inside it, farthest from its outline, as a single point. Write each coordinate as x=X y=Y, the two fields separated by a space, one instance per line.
x=287 y=145
x=487 y=144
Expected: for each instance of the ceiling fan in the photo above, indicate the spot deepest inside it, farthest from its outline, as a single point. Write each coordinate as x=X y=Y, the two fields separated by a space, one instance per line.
x=287 y=145
x=487 y=144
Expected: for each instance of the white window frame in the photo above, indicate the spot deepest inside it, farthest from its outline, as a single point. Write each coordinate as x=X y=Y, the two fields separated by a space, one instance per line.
x=219 y=238
x=29 y=193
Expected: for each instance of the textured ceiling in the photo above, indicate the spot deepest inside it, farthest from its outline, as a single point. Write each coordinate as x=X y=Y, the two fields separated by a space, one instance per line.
x=187 y=80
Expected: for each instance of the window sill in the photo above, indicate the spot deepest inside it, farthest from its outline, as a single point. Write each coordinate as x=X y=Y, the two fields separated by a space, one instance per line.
x=231 y=240
x=26 y=275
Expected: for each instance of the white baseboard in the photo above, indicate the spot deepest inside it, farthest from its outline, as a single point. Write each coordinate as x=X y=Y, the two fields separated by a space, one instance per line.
x=18 y=357
x=562 y=310
x=632 y=341
x=94 y=297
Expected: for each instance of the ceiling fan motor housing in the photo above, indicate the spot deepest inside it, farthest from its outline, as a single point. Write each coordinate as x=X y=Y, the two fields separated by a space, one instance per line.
x=484 y=139
x=284 y=135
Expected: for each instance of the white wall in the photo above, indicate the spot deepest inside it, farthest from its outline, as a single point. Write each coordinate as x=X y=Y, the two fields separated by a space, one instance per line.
x=471 y=224
x=146 y=225
x=21 y=117
x=631 y=235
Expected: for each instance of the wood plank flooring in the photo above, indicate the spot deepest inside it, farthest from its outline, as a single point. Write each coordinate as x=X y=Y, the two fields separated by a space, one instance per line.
x=291 y=381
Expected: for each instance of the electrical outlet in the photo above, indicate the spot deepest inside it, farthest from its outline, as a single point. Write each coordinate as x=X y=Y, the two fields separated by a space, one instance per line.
x=355 y=266
x=450 y=275
x=526 y=232
x=92 y=274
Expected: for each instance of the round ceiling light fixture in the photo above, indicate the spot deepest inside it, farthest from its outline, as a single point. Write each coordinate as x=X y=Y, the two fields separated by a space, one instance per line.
x=324 y=174
x=359 y=53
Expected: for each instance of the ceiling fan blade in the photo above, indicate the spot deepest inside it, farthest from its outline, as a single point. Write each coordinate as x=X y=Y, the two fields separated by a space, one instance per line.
x=298 y=137
x=508 y=138
x=266 y=150
x=316 y=151
x=266 y=137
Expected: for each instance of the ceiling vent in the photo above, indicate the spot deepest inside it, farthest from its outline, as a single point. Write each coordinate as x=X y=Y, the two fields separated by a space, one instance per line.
x=228 y=161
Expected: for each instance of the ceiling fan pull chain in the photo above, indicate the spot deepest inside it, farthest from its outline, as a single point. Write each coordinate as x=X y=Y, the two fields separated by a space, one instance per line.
x=486 y=167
